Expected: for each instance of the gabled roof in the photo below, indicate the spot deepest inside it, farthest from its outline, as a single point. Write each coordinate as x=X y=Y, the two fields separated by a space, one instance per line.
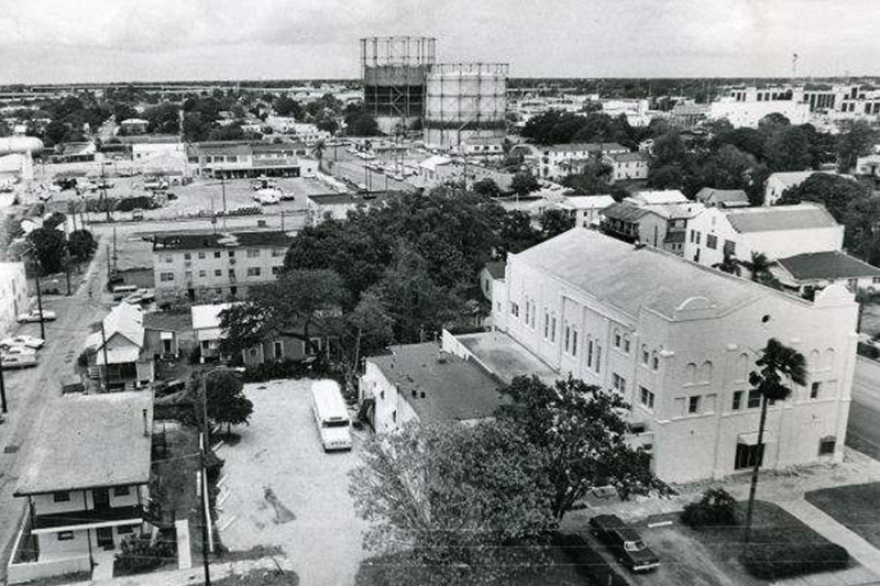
x=631 y=278
x=710 y=195
x=496 y=268
x=661 y=197
x=454 y=389
x=803 y=216
x=793 y=178
x=625 y=211
x=827 y=265
x=91 y=441
x=126 y=320
x=588 y=202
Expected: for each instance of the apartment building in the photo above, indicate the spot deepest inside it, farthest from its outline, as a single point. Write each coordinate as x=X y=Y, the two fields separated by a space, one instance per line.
x=86 y=483
x=777 y=232
x=627 y=166
x=193 y=268
x=677 y=341
x=13 y=295
x=558 y=160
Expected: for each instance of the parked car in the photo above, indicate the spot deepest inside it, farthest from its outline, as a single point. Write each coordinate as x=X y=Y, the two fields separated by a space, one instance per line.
x=34 y=316
x=12 y=361
x=625 y=543
x=267 y=197
x=17 y=351
x=23 y=340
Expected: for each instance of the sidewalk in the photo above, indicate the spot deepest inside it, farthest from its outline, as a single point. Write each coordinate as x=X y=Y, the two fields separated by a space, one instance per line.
x=194 y=575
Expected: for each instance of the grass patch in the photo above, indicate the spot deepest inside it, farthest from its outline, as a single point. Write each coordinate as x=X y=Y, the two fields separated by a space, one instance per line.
x=781 y=545
x=854 y=507
x=260 y=578
x=551 y=564
x=255 y=553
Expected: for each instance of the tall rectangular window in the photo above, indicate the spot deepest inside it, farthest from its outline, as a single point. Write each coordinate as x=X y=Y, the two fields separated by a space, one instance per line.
x=737 y=401
x=815 y=390
x=567 y=338
x=553 y=329
x=574 y=342
x=694 y=404
x=754 y=400
x=647 y=397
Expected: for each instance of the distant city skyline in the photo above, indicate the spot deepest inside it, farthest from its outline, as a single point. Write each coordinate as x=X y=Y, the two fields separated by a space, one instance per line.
x=49 y=41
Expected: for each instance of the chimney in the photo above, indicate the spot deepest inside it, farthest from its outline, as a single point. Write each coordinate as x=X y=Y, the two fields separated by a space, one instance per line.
x=146 y=424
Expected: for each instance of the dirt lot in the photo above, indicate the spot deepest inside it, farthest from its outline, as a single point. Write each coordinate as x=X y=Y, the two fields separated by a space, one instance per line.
x=285 y=491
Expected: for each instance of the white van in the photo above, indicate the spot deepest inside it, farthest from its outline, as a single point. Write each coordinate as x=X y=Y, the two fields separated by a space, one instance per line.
x=331 y=415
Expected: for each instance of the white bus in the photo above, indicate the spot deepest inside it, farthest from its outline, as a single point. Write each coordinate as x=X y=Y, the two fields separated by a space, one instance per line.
x=331 y=415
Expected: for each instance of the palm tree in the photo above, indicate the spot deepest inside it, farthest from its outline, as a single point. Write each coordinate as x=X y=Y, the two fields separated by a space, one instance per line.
x=730 y=265
x=781 y=367
x=759 y=267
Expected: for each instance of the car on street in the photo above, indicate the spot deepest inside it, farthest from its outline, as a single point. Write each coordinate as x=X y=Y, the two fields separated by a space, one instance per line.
x=22 y=340
x=11 y=361
x=624 y=542
x=34 y=316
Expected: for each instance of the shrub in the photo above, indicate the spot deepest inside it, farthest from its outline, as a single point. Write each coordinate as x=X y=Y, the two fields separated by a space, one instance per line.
x=775 y=560
x=868 y=351
x=591 y=565
x=716 y=509
x=83 y=359
x=138 y=554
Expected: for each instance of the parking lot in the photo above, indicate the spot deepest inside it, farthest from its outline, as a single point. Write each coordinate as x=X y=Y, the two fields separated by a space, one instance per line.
x=282 y=489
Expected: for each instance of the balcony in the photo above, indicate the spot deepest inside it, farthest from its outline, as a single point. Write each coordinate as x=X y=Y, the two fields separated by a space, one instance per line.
x=71 y=520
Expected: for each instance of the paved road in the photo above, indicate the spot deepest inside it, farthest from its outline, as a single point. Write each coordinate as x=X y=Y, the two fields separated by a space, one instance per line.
x=345 y=165
x=28 y=391
x=863 y=430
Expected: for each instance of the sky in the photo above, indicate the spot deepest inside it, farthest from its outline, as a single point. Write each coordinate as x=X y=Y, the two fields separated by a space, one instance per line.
x=66 y=41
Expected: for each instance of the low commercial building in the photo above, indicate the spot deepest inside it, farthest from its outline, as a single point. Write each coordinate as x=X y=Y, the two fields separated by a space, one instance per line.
x=677 y=341
x=238 y=160
x=131 y=126
x=13 y=295
x=86 y=482
x=813 y=271
x=421 y=382
x=190 y=268
x=336 y=206
x=777 y=232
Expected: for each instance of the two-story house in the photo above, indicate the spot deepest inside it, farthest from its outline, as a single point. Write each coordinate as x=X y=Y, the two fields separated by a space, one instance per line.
x=661 y=225
x=211 y=267
x=558 y=160
x=85 y=483
x=118 y=353
x=677 y=341
x=627 y=166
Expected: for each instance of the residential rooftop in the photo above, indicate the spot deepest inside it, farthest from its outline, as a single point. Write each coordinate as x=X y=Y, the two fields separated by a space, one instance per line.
x=190 y=241
x=710 y=195
x=827 y=265
x=588 y=202
x=803 y=216
x=440 y=386
x=659 y=197
x=496 y=268
x=632 y=278
x=589 y=147
x=91 y=441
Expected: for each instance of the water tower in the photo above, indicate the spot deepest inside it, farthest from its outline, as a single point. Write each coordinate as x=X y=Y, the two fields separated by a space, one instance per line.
x=394 y=73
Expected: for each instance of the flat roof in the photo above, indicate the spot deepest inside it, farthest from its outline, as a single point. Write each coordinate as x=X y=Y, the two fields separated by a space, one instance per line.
x=454 y=389
x=632 y=277
x=351 y=198
x=505 y=357
x=189 y=241
x=90 y=441
x=206 y=317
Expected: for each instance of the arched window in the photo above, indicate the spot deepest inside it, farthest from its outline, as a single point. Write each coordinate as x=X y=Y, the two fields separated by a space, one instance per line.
x=815 y=362
x=706 y=372
x=742 y=367
x=829 y=359
x=690 y=373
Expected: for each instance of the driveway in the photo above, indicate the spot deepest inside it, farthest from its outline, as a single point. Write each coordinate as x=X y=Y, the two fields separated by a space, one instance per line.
x=282 y=489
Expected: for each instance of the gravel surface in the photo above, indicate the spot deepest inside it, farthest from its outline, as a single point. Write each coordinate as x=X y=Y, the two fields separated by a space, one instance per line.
x=285 y=491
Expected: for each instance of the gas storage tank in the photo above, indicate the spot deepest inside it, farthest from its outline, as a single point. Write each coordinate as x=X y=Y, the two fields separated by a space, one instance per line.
x=20 y=145
x=465 y=101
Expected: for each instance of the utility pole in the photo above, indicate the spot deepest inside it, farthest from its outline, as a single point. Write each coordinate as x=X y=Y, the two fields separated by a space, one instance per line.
x=203 y=439
x=223 y=189
x=39 y=293
x=104 y=192
x=67 y=258
x=109 y=271
x=2 y=387
x=106 y=364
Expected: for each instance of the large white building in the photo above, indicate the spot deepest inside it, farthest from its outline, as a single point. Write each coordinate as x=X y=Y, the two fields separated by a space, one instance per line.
x=745 y=107
x=677 y=341
x=13 y=295
x=558 y=160
x=777 y=232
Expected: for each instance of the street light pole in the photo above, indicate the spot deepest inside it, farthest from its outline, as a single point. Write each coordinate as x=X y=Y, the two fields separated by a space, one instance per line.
x=39 y=293
x=2 y=387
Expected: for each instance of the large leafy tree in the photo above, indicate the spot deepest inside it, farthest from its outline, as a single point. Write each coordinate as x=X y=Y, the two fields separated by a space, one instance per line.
x=554 y=222
x=225 y=401
x=857 y=140
x=780 y=368
x=82 y=245
x=524 y=183
x=583 y=436
x=50 y=248
x=788 y=149
x=447 y=500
